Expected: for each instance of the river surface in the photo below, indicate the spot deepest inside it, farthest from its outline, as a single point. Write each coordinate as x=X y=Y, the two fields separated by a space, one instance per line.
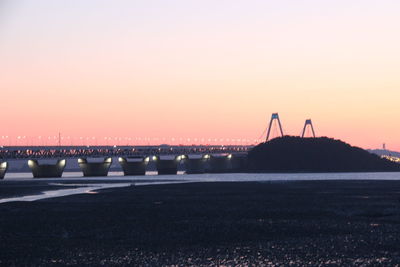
x=225 y=177
x=25 y=188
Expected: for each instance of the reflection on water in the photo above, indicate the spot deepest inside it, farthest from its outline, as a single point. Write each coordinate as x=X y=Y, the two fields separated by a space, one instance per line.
x=225 y=177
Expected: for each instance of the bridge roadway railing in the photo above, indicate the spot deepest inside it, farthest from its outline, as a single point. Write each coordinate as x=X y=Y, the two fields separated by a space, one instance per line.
x=110 y=151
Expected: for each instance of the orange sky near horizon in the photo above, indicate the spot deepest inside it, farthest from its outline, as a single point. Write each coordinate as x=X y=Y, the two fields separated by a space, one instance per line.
x=206 y=70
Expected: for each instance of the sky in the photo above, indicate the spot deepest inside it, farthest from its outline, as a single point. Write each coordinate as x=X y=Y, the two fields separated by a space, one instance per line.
x=188 y=71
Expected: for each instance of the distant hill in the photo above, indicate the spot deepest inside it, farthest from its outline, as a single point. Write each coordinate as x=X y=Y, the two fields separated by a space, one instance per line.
x=296 y=154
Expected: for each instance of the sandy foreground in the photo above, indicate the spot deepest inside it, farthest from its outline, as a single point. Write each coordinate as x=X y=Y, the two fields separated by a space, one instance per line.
x=205 y=224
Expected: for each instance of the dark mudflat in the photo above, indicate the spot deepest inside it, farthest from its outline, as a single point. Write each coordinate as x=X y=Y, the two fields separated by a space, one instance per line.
x=303 y=223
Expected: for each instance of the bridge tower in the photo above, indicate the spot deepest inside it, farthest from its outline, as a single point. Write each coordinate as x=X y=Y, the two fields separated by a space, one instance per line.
x=274 y=117
x=308 y=123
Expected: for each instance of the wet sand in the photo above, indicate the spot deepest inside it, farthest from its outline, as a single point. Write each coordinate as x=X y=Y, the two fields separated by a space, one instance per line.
x=260 y=223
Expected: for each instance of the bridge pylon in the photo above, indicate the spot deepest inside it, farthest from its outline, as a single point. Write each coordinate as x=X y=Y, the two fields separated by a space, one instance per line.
x=308 y=123
x=274 y=117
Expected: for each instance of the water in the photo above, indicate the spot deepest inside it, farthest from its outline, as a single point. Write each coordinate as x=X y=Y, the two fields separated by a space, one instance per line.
x=225 y=177
x=116 y=179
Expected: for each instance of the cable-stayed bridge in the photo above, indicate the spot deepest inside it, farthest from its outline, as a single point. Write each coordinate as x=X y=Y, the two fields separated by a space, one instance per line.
x=61 y=150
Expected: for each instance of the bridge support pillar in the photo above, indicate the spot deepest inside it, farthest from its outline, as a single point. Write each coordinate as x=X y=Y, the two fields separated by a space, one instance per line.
x=274 y=117
x=3 y=169
x=47 y=170
x=91 y=169
x=134 y=165
x=308 y=123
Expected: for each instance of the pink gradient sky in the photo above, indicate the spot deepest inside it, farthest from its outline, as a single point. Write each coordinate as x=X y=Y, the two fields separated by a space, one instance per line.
x=199 y=69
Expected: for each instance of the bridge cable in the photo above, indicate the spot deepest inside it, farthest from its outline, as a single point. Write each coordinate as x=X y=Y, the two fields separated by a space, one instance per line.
x=263 y=133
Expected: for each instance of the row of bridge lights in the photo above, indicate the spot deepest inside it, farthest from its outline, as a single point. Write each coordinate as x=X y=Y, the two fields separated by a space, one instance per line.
x=68 y=140
x=178 y=158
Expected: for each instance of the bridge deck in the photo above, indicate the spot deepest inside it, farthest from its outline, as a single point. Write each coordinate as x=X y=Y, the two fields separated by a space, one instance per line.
x=112 y=151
